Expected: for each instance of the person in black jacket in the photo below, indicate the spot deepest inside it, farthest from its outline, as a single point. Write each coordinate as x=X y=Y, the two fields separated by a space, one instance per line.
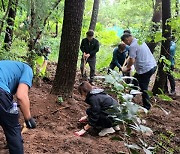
x=89 y=47
x=96 y=117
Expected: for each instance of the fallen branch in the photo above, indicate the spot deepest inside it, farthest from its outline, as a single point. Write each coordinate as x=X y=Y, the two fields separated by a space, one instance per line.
x=59 y=109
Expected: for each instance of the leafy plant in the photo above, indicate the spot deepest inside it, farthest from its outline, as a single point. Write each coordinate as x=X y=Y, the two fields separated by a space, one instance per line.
x=127 y=113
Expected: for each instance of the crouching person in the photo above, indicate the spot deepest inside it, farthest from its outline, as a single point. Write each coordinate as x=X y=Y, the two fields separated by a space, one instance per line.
x=96 y=117
x=15 y=78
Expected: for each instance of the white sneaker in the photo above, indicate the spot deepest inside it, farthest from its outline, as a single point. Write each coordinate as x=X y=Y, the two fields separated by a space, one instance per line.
x=106 y=131
x=117 y=128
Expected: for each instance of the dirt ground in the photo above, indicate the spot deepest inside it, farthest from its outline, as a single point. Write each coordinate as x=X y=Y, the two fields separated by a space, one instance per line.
x=56 y=124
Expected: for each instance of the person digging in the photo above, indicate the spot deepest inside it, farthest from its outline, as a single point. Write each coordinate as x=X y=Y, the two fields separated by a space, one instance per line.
x=96 y=117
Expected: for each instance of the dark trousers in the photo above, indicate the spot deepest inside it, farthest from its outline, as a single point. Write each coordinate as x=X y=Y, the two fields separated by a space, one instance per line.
x=171 y=80
x=92 y=64
x=143 y=81
x=10 y=124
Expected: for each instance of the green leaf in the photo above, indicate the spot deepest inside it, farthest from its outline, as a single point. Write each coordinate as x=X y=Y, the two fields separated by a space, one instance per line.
x=164 y=97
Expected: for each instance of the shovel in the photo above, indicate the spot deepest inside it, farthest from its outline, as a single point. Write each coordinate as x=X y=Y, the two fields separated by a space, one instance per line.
x=84 y=75
x=24 y=128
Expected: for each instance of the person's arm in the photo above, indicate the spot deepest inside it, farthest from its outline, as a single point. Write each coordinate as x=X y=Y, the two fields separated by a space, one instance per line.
x=95 y=110
x=23 y=100
x=115 y=59
x=82 y=46
x=96 y=48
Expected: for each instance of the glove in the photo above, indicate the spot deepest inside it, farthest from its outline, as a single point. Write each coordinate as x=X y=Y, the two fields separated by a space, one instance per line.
x=30 y=123
x=80 y=133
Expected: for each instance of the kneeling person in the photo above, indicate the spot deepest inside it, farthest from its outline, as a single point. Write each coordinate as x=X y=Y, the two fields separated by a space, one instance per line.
x=96 y=117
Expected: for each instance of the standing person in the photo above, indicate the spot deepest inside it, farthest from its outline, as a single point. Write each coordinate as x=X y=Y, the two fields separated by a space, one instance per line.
x=89 y=47
x=144 y=62
x=41 y=62
x=15 y=78
x=169 y=73
x=119 y=56
x=96 y=117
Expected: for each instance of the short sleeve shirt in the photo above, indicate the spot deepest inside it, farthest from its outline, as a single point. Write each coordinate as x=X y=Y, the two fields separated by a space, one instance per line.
x=12 y=73
x=144 y=59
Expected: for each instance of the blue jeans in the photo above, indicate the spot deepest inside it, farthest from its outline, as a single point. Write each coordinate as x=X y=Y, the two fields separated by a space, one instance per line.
x=144 y=80
x=10 y=124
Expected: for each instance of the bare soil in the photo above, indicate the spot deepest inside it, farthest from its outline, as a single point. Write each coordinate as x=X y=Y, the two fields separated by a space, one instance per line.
x=56 y=124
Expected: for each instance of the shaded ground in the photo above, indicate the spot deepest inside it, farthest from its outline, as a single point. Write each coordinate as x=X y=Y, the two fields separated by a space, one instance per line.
x=56 y=124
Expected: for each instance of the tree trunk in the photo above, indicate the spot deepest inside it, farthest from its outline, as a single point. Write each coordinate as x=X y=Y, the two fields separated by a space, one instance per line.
x=56 y=33
x=4 y=17
x=177 y=8
x=157 y=16
x=10 y=25
x=3 y=5
x=166 y=32
x=68 y=54
x=94 y=15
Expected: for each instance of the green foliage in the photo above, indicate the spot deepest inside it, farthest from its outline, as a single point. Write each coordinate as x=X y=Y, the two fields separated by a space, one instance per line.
x=108 y=37
x=163 y=96
x=126 y=113
x=165 y=141
x=59 y=100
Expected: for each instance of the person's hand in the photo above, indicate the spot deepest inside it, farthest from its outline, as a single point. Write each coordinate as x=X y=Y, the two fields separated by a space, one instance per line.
x=87 y=55
x=80 y=133
x=30 y=123
x=125 y=69
x=83 y=119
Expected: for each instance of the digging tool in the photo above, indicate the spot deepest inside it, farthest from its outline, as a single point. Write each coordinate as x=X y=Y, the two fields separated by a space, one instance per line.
x=84 y=75
x=24 y=128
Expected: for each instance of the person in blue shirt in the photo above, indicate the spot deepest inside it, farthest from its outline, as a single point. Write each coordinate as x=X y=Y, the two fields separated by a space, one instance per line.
x=119 y=56
x=15 y=79
x=170 y=77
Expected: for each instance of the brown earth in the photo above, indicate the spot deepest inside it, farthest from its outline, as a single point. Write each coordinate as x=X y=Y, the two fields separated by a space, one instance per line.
x=56 y=124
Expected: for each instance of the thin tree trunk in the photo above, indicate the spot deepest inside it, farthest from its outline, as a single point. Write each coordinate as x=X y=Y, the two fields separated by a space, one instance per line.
x=3 y=5
x=94 y=15
x=157 y=16
x=166 y=32
x=4 y=17
x=68 y=54
x=177 y=8
x=56 y=34
x=10 y=25
x=45 y=21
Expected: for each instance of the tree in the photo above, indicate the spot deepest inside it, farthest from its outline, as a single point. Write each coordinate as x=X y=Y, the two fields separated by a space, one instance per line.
x=69 y=47
x=10 y=24
x=166 y=33
x=94 y=15
x=157 y=16
x=5 y=15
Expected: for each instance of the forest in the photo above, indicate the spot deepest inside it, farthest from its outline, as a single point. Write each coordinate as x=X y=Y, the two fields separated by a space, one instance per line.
x=36 y=29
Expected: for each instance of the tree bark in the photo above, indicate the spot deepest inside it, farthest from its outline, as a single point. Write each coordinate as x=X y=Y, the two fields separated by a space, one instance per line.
x=166 y=32
x=10 y=25
x=94 y=15
x=68 y=54
x=177 y=8
x=157 y=16
x=4 y=17
x=3 y=5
